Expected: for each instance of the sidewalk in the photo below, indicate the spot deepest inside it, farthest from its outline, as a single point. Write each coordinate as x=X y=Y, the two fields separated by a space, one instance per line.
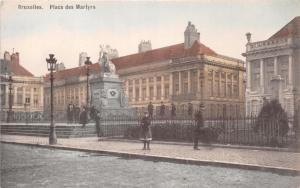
x=272 y=161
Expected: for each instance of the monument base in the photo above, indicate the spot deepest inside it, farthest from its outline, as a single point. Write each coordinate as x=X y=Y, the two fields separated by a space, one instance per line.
x=108 y=97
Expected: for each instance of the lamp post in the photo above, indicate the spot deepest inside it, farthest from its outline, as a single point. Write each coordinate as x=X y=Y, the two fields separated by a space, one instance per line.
x=51 y=62
x=87 y=65
x=10 y=80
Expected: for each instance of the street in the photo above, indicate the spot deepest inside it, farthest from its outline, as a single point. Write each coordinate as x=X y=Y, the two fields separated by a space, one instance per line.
x=25 y=166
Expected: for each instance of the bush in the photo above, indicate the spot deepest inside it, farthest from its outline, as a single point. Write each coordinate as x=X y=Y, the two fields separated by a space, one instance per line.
x=272 y=120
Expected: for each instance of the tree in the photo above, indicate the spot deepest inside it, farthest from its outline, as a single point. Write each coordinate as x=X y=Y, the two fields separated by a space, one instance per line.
x=272 y=119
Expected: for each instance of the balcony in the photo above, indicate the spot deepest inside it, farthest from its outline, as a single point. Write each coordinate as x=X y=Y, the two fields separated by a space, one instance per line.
x=283 y=42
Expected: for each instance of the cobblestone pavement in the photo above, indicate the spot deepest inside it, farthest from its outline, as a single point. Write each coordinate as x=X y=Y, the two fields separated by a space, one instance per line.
x=277 y=159
x=32 y=167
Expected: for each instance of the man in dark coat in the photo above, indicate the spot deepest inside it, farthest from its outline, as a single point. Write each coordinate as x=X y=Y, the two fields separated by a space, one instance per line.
x=150 y=109
x=199 y=124
x=173 y=110
x=162 y=109
x=76 y=113
x=96 y=116
x=145 y=132
x=83 y=117
x=190 y=109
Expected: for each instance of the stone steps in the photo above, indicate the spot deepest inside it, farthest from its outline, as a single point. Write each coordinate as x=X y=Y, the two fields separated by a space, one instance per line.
x=62 y=131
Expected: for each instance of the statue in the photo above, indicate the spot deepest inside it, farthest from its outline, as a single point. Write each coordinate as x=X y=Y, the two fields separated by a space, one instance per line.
x=104 y=59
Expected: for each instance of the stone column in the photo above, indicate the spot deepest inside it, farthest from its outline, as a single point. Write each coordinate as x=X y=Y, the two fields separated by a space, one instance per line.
x=127 y=88
x=41 y=101
x=31 y=98
x=147 y=89
x=180 y=82
x=133 y=91
x=198 y=80
x=226 y=93
x=213 y=83
x=248 y=70
x=6 y=95
x=290 y=70
x=275 y=66
x=140 y=89
x=171 y=85
x=15 y=94
x=189 y=81
x=24 y=95
x=155 y=88
x=262 y=75
x=162 y=86
x=219 y=84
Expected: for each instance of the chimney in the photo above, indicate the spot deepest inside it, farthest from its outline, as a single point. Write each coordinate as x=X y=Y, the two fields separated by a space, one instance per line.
x=190 y=35
x=15 y=58
x=82 y=58
x=7 y=56
x=145 y=46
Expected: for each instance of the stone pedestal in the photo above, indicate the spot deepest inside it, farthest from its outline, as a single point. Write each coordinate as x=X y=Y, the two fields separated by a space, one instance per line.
x=107 y=95
x=276 y=88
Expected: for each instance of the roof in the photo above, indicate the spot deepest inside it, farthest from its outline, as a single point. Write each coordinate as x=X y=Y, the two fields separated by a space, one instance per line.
x=289 y=30
x=151 y=56
x=18 y=69
x=73 y=72
x=161 y=54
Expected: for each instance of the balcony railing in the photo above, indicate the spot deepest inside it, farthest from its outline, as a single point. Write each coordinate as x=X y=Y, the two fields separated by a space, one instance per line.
x=269 y=44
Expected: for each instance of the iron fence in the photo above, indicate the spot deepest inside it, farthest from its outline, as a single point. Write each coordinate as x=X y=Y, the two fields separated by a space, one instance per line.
x=223 y=130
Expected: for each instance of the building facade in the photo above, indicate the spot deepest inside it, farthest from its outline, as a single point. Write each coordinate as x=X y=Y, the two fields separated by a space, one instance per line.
x=273 y=69
x=70 y=87
x=26 y=90
x=184 y=73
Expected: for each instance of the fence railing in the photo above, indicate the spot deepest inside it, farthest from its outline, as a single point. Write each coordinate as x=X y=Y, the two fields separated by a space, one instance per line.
x=224 y=130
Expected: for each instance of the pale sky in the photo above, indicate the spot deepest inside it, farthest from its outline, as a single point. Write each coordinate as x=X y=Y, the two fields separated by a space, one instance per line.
x=123 y=24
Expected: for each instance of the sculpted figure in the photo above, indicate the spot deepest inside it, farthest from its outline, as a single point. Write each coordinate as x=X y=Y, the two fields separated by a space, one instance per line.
x=106 y=65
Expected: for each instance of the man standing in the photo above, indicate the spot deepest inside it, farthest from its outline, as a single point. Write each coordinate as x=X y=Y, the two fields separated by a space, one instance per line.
x=76 y=113
x=173 y=110
x=96 y=116
x=150 y=109
x=199 y=124
x=190 y=109
x=83 y=117
x=162 y=109
x=145 y=132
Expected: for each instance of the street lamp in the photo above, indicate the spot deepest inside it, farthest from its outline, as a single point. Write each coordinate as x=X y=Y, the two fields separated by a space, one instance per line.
x=10 y=80
x=51 y=62
x=87 y=66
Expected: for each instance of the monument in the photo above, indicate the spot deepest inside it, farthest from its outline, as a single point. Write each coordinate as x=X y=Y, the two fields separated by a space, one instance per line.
x=107 y=94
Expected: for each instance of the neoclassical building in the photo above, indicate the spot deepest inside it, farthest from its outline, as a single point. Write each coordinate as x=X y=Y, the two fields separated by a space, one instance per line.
x=27 y=90
x=189 y=72
x=273 y=69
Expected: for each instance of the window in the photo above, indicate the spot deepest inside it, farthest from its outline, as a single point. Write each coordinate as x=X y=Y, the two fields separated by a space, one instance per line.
x=166 y=91
x=20 y=96
x=151 y=90
x=158 y=92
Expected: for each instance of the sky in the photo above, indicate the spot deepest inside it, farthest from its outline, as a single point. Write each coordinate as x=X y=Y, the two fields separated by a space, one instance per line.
x=222 y=25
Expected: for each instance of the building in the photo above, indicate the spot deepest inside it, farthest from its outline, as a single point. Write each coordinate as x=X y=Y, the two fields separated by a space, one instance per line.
x=69 y=87
x=188 y=72
x=273 y=69
x=27 y=90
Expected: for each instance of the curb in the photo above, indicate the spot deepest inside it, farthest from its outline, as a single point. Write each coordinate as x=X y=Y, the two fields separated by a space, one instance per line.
x=208 y=145
x=277 y=170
